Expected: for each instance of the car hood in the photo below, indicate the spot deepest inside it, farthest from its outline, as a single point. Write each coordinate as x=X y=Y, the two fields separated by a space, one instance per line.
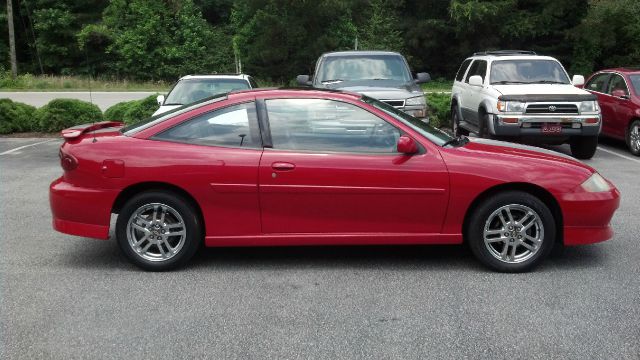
x=379 y=89
x=550 y=89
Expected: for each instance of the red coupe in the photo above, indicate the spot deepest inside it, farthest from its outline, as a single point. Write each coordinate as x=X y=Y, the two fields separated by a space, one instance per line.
x=311 y=167
x=618 y=92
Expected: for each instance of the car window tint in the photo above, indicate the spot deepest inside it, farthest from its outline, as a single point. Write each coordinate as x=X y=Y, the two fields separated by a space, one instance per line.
x=596 y=83
x=479 y=67
x=327 y=125
x=635 y=81
x=233 y=126
x=462 y=69
x=617 y=83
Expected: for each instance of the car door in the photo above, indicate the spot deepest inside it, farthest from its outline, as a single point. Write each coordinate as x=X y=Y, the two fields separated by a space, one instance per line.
x=474 y=94
x=597 y=85
x=333 y=169
x=621 y=107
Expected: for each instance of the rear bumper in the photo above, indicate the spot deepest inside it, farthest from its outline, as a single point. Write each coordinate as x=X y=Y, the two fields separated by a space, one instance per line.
x=81 y=211
x=587 y=216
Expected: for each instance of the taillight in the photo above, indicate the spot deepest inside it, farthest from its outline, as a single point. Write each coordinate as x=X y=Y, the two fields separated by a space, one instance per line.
x=67 y=161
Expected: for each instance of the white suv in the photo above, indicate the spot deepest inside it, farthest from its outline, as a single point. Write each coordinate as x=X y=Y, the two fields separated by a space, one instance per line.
x=521 y=95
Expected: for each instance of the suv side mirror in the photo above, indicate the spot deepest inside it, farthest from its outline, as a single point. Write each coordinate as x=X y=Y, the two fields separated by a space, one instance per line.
x=407 y=145
x=303 y=80
x=160 y=99
x=578 y=80
x=620 y=93
x=475 y=80
x=422 y=78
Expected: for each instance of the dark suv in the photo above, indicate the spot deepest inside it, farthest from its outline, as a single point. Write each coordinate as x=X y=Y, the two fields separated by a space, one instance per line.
x=382 y=75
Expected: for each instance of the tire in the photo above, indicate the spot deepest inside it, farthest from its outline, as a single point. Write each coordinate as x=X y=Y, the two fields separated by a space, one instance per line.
x=633 y=137
x=583 y=147
x=455 y=123
x=150 y=218
x=497 y=252
x=483 y=125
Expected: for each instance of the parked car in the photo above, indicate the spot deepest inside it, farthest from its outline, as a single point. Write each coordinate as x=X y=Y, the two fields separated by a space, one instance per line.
x=524 y=96
x=192 y=88
x=618 y=92
x=308 y=167
x=382 y=75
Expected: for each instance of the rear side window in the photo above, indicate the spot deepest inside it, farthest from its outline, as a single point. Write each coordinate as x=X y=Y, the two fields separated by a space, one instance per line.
x=233 y=126
x=479 y=67
x=328 y=125
x=597 y=82
x=462 y=70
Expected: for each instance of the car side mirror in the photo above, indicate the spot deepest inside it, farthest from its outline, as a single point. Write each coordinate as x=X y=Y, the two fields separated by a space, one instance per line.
x=422 y=78
x=160 y=99
x=303 y=80
x=475 y=80
x=578 y=80
x=407 y=145
x=620 y=93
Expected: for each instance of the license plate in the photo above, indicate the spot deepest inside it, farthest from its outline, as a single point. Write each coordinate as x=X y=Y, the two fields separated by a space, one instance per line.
x=551 y=128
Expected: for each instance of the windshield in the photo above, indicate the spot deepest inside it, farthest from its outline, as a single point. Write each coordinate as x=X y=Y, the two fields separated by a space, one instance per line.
x=192 y=90
x=365 y=67
x=528 y=72
x=435 y=135
x=635 y=81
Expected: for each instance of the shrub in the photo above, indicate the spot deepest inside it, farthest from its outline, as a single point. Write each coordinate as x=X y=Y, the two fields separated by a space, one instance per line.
x=117 y=111
x=16 y=117
x=140 y=110
x=439 y=109
x=60 y=114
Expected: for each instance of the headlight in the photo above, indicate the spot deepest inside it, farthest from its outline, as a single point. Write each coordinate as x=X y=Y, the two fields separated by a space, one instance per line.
x=511 y=106
x=418 y=100
x=589 y=106
x=596 y=183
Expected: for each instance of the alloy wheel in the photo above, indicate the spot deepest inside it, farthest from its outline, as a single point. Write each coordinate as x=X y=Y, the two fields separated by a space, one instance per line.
x=513 y=233
x=156 y=232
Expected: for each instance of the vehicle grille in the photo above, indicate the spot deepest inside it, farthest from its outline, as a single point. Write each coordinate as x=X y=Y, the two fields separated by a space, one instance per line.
x=395 y=103
x=552 y=109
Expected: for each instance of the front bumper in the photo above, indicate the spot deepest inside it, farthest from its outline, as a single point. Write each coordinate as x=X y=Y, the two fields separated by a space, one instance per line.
x=81 y=211
x=587 y=216
x=530 y=125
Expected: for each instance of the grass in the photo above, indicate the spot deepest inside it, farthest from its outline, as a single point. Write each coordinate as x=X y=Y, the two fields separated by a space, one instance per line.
x=76 y=83
x=438 y=85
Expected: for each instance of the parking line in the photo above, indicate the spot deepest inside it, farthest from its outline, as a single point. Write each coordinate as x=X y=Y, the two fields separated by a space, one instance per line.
x=617 y=154
x=25 y=146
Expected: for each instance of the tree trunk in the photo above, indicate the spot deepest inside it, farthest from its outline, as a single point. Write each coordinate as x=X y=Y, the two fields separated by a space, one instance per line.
x=12 y=40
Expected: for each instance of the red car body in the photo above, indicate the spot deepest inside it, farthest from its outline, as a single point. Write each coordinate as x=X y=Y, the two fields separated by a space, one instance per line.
x=619 y=100
x=255 y=197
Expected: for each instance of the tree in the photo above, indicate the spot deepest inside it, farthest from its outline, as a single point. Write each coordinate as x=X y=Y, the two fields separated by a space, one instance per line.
x=381 y=31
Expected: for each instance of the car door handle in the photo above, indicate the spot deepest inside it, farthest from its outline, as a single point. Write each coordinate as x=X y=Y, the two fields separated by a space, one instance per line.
x=282 y=166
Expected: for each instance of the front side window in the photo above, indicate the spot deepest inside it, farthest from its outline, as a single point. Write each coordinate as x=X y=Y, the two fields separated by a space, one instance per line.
x=463 y=68
x=328 y=125
x=233 y=126
x=528 y=72
x=617 y=83
x=479 y=67
x=597 y=82
x=635 y=81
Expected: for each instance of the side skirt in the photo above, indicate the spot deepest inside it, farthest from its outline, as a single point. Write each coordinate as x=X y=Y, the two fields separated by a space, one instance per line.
x=333 y=239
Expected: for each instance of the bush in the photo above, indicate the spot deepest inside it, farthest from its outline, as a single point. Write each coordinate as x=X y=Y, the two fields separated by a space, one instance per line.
x=439 y=109
x=60 y=114
x=140 y=109
x=16 y=117
x=117 y=111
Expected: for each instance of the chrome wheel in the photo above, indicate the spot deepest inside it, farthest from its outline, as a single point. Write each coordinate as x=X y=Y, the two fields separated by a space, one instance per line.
x=156 y=232
x=513 y=233
x=634 y=138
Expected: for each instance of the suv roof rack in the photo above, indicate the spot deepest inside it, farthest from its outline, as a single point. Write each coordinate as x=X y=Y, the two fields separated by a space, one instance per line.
x=506 y=52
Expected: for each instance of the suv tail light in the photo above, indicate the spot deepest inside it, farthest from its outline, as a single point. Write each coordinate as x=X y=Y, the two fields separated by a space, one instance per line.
x=67 y=161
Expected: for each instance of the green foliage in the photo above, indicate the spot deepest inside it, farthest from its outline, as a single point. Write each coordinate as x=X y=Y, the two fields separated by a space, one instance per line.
x=439 y=109
x=139 y=110
x=117 y=111
x=60 y=114
x=16 y=117
x=381 y=31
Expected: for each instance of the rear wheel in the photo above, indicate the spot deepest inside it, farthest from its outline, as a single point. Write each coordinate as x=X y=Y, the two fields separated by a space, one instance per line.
x=158 y=230
x=512 y=231
x=633 y=137
x=583 y=147
x=455 y=123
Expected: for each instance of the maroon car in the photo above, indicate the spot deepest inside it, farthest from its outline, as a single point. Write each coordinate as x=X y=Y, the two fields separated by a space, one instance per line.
x=618 y=92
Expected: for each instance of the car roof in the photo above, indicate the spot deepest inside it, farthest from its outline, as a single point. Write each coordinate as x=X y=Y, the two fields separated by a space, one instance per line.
x=512 y=57
x=215 y=76
x=360 y=53
x=289 y=92
x=623 y=70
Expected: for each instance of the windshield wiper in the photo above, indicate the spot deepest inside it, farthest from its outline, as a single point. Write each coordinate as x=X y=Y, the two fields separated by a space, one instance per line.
x=548 y=82
x=332 y=81
x=460 y=140
x=506 y=82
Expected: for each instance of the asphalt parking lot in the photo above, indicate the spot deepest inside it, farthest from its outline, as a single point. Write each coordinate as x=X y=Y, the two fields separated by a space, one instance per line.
x=69 y=297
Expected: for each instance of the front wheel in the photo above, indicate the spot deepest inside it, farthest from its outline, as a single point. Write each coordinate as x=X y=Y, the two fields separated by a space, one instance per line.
x=455 y=123
x=512 y=231
x=158 y=230
x=633 y=138
x=583 y=147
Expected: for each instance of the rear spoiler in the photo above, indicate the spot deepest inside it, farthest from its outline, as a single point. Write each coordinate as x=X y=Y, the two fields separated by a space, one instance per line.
x=74 y=132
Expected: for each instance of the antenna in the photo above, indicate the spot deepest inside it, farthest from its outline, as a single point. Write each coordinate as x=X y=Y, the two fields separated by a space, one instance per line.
x=93 y=121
